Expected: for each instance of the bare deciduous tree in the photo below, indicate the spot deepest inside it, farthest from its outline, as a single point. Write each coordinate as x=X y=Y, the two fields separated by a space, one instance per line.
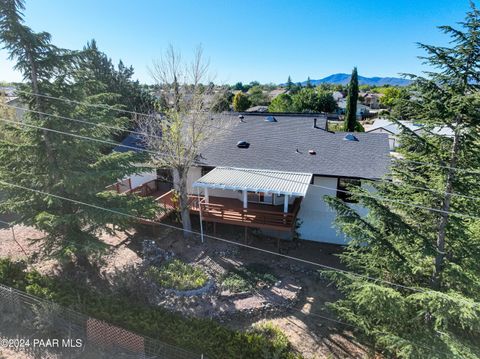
x=186 y=125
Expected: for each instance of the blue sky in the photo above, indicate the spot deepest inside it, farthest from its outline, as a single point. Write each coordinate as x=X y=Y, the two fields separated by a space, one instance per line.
x=249 y=40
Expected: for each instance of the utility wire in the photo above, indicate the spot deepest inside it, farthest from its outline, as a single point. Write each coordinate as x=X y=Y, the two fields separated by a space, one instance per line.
x=138 y=218
x=371 y=196
x=150 y=115
x=401 y=184
x=103 y=106
x=112 y=143
x=313 y=185
x=115 y=128
x=437 y=165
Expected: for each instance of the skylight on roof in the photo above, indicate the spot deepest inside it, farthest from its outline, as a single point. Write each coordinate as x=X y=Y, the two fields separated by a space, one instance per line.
x=270 y=119
x=350 y=137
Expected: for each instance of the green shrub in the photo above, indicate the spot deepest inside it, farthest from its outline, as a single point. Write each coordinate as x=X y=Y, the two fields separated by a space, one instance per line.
x=179 y=275
x=235 y=283
x=279 y=346
x=246 y=279
x=12 y=273
x=198 y=335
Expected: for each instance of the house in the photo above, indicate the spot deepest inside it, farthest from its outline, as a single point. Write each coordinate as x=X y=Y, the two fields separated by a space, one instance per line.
x=16 y=106
x=383 y=125
x=393 y=130
x=274 y=93
x=362 y=110
x=337 y=96
x=271 y=172
x=372 y=100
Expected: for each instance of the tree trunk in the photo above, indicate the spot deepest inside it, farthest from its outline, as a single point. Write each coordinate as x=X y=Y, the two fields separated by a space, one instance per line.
x=442 y=227
x=46 y=136
x=180 y=185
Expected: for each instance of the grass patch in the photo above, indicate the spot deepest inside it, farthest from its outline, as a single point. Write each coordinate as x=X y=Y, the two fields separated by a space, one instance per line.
x=176 y=274
x=248 y=278
x=199 y=335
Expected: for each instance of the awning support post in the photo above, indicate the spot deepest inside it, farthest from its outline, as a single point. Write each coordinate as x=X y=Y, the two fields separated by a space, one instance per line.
x=245 y=199
x=206 y=195
x=200 y=213
x=285 y=204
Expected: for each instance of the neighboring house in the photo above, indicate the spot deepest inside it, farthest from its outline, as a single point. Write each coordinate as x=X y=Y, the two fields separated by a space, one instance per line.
x=18 y=107
x=372 y=100
x=337 y=96
x=274 y=93
x=383 y=125
x=393 y=130
x=133 y=142
x=271 y=172
x=362 y=110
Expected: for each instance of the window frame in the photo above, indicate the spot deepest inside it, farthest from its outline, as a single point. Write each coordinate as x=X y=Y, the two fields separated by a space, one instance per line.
x=342 y=186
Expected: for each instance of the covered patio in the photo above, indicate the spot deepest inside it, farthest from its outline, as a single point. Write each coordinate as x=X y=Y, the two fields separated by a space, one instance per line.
x=252 y=198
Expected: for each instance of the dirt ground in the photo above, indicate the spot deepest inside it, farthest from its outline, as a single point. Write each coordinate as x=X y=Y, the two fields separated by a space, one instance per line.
x=304 y=324
x=11 y=354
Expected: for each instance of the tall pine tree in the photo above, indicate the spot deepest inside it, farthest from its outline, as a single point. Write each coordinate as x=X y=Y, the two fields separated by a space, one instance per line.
x=434 y=251
x=350 y=122
x=56 y=163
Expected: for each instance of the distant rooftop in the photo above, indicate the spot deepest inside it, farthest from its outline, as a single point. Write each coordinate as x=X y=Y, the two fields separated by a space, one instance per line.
x=133 y=142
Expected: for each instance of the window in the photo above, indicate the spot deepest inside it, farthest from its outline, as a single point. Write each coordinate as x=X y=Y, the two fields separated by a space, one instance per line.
x=344 y=185
x=259 y=197
x=205 y=170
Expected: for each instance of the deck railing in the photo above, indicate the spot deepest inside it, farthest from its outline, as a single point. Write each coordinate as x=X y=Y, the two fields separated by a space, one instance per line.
x=149 y=188
x=246 y=216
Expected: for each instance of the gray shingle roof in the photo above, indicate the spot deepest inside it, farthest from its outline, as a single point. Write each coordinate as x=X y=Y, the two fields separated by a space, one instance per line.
x=273 y=146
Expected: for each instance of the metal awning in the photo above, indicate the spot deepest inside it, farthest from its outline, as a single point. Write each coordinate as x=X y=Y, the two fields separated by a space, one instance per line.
x=253 y=180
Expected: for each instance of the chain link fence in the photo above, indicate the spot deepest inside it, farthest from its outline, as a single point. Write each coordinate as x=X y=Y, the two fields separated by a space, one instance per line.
x=43 y=329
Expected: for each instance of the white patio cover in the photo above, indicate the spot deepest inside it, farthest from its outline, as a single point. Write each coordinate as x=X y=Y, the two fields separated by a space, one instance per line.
x=253 y=180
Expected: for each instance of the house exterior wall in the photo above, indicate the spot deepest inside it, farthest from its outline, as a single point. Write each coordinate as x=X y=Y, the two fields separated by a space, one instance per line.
x=194 y=173
x=317 y=217
x=141 y=178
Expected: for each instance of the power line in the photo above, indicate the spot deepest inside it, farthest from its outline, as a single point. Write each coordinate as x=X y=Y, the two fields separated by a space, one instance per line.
x=106 y=107
x=112 y=143
x=374 y=197
x=453 y=194
x=334 y=269
x=401 y=202
x=437 y=165
x=150 y=115
x=313 y=185
x=115 y=128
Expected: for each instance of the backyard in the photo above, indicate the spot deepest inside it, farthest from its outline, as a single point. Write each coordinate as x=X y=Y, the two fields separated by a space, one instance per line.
x=237 y=287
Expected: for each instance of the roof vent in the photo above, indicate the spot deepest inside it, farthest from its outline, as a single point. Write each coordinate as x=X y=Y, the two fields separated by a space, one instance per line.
x=312 y=152
x=314 y=123
x=270 y=119
x=241 y=117
x=243 y=144
x=350 y=137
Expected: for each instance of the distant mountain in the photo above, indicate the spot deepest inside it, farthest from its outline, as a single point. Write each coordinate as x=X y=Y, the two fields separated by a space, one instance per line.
x=343 y=79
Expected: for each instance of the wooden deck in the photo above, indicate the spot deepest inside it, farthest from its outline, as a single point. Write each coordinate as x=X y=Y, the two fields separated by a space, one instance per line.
x=157 y=189
x=222 y=209
x=231 y=211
